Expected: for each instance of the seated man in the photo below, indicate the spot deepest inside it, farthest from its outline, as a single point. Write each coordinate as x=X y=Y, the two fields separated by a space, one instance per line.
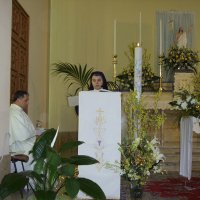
x=21 y=130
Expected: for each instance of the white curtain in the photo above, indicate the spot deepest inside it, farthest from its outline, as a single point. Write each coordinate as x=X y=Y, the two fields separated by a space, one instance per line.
x=186 y=146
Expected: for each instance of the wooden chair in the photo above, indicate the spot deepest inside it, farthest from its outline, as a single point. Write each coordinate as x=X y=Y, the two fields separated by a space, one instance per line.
x=23 y=159
x=19 y=158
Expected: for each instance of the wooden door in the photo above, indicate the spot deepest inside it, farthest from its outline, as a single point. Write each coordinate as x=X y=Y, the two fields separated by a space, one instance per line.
x=19 y=48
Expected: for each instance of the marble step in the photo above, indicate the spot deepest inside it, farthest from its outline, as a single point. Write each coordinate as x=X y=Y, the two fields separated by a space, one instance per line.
x=175 y=168
x=172 y=160
x=176 y=144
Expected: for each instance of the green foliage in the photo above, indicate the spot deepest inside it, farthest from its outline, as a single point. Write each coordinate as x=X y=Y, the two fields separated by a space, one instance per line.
x=126 y=78
x=139 y=159
x=11 y=184
x=90 y=187
x=140 y=155
x=139 y=119
x=52 y=172
x=73 y=75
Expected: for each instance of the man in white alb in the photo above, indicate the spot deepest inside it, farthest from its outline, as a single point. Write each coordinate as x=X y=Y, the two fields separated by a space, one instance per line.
x=21 y=130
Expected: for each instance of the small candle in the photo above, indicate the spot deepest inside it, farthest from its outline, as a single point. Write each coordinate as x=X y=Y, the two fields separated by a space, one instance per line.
x=160 y=37
x=140 y=28
x=115 y=29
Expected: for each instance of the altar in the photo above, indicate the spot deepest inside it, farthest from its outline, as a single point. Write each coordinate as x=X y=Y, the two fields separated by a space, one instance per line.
x=169 y=133
x=179 y=137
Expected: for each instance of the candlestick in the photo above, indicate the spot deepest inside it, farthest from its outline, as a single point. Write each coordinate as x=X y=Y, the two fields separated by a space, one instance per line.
x=160 y=37
x=140 y=28
x=115 y=37
x=114 y=61
x=138 y=71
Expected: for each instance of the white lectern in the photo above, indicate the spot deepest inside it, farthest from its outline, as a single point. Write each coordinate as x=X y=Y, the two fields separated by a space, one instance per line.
x=100 y=129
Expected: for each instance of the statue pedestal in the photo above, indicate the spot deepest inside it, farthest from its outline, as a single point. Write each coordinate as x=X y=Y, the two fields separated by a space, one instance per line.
x=183 y=80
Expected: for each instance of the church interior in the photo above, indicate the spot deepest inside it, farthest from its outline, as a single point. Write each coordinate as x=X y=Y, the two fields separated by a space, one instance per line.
x=92 y=32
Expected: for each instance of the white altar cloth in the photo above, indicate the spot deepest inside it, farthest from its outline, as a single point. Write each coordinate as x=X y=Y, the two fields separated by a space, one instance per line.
x=100 y=129
x=187 y=126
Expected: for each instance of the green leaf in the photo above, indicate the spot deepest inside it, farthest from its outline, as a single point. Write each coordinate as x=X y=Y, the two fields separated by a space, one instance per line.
x=67 y=170
x=12 y=183
x=83 y=160
x=53 y=158
x=73 y=75
x=34 y=175
x=45 y=195
x=91 y=188
x=40 y=165
x=70 y=145
x=39 y=148
x=72 y=187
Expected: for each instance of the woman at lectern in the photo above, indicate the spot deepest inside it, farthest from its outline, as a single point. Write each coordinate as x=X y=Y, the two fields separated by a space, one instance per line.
x=98 y=81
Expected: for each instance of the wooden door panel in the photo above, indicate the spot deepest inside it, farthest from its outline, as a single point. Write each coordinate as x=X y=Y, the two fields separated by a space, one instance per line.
x=14 y=85
x=20 y=45
x=15 y=55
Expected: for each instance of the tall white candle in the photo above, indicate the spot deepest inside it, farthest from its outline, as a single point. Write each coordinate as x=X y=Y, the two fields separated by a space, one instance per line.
x=160 y=37
x=115 y=37
x=140 y=28
x=138 y=71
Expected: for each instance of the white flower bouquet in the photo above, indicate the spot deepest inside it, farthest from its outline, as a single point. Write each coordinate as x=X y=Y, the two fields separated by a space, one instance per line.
x=187 y=103
x=140 y=159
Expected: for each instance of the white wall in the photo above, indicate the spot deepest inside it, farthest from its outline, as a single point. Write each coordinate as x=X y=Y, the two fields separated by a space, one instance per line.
x=5 y=64
x=82 y=33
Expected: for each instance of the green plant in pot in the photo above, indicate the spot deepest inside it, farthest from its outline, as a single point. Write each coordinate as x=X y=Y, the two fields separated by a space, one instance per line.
x=53 y=174
x=73 y=75
x=77 y=76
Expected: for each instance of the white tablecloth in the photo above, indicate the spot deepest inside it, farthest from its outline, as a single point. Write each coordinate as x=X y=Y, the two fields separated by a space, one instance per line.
x=187 y=126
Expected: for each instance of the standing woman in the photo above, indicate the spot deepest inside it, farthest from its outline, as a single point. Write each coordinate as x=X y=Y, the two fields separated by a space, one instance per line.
x=98 y=81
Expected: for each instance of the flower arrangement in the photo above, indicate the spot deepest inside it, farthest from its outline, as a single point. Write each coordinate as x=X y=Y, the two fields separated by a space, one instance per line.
x=140 y=154
x=126 y=77
x=188 y=103
x=183 y=59
x=139 y=159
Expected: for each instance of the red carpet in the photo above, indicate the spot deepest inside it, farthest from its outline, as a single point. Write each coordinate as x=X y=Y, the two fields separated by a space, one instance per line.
x=175 y=187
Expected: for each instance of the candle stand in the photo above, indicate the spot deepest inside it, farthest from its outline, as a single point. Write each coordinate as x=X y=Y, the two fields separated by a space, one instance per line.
x=114 y=61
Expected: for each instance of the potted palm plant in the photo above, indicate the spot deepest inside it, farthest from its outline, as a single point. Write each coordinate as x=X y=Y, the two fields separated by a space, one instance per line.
x=73 y=75
x=53 y=175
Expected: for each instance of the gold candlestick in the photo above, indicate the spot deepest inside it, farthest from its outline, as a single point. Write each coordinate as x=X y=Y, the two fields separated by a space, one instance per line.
x=114 y=61
x=160 y=69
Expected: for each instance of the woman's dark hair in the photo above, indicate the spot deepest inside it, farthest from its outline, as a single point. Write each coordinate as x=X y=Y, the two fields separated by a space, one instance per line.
x=98 y=73
x=19 y=94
